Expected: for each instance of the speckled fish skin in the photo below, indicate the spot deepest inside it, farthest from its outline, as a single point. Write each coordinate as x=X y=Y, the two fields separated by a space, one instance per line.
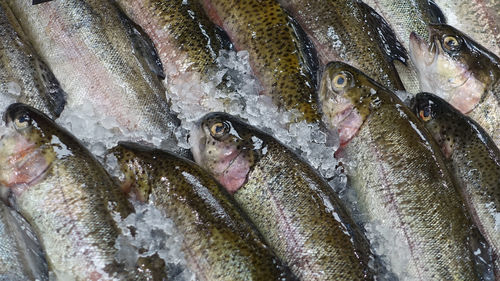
x=296 y=211
x=406 y=16
x=466 y=75
x=474 y=160
x=23 y=74
x=218 y=241
x=480 y=19
x=281 y=60
x=398 y=173
x=63 y=192
x=101 y=58
x=21 y=256
x=341 y=30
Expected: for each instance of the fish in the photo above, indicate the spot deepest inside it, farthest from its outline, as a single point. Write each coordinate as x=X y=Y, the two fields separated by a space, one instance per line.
x=103 y=59
x=473 y=158
x=480 y=19
x=187 y=42
x=198 y=205
x=405 y=17
x=398 y=174
x=24 y=75
x=462 y=72
x=281 y=57
x=69 y=199
x=21 y=256
x=352 y=32
x=296 y=211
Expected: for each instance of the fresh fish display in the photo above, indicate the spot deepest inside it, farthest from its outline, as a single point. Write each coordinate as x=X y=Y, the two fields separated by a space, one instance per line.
x=291 y=205
x=280 y=54
x=65 y=194
x=462 y=72
x=398 y=174
x=474 y=160
x=21 y=256
x=480 y=19
x=199 y=205
x=23 y=74
x=352 y=32
x=100 y=57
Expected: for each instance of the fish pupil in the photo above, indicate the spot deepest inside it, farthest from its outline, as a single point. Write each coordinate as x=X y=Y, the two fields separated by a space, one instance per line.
x=340 y=80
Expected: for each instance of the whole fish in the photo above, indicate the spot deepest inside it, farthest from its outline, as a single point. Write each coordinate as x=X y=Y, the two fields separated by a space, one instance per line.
x=404 y=17
x=280 y=55
x=188 y=43
x=473 y=158
x=398 y=174
x=21 y=256
x=350 y=31
x=23 y=74
x=101 y=58
x=296 y=211
x=64 y=193
x=218 y=241
x=462 y=72
x=480 y=19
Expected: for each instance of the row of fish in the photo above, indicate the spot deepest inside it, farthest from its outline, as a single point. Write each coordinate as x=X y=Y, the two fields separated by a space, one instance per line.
x=251 y=208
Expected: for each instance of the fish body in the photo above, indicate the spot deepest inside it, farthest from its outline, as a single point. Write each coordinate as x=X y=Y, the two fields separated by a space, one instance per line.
x=352 y=32
x=23 y=74
x=464 y=73
x=101 y=58
x=21 y=256
x=296 y=211
x=279 y=54
x=479 y=19
x=398 y=174
x=218 y=241
x=473 y=158
x=65 y=194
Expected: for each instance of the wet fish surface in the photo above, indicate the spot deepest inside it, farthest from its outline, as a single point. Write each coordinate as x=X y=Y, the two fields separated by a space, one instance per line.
x=218 y=241
x=23 y=74
x=352 y=32
x=479 y=19
x=473 y=158
x=101 y=58
x=398 y=174
x=64 y=193
x=280 y=55
x=462 y=72
x=21 y=256
x=291 y=205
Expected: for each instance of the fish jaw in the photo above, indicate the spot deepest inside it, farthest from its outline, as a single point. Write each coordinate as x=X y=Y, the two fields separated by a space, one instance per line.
x=444 y=75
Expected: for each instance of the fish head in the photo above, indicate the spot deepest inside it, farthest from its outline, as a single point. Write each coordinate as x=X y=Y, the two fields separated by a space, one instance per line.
x=135 y=162
x=227 y=147
x=453 y=66
x=437 y=115
x=347 y=96
x=29 y=146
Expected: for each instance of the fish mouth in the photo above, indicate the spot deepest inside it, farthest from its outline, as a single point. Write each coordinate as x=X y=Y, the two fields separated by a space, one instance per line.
x=197 y=139
x=423 y=52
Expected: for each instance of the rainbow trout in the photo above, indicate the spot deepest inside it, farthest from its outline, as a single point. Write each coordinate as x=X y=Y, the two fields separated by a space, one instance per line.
x=398 y=174
x=21 y=256
x=462 y=72
x=218 y=241
x=24 y=76
x=296 y=211
x=65 y=194
x=350 y=31
x=280 y=55
x=473 y=158
x=100 y=57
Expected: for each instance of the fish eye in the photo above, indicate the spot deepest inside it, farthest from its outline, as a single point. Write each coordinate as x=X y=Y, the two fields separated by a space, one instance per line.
x=340 y=80
x=425 y=114
x=451 y=43
x=219 y=129
x=22 y=122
